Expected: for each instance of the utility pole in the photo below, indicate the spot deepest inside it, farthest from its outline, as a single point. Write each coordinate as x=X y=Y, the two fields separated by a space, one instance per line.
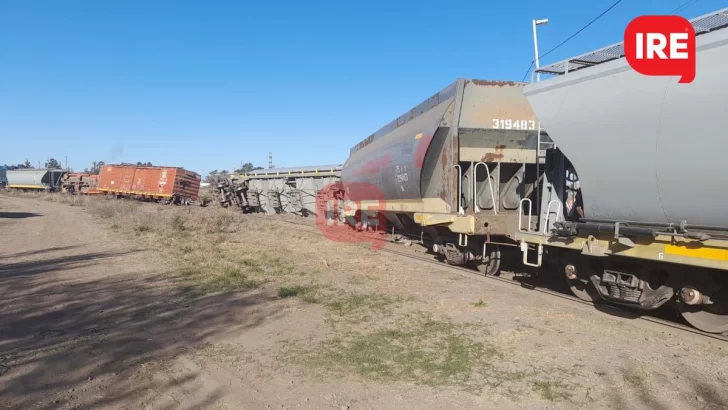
x=270 y=160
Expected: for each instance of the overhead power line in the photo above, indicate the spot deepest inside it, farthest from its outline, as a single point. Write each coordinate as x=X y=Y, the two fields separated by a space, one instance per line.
x=683 y=6
x=572 y=36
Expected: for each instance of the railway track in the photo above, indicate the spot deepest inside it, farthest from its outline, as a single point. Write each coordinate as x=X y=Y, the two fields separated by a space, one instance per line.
x=606 y=309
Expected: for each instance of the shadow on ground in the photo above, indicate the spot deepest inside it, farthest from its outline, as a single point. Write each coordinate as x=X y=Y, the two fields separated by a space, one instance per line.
x=18 y=215
x=39 y=251
x=67 y=340
x=641 y=391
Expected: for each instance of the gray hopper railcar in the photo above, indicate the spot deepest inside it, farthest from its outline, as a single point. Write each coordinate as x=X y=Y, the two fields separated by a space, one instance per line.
x=454 y=170
x=35 y=179
x=278 y=190
x=648 y=155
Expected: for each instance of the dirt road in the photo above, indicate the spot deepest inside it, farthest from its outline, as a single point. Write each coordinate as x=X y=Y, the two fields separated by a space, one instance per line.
x=86 y=319
x=90 y=319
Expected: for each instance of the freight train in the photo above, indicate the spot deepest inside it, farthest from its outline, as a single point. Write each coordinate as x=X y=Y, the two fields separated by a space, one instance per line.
x=613 y=176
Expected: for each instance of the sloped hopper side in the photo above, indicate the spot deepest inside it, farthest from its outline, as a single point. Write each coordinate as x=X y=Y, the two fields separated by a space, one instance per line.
x=29 y=177
x=645 y=148
x=392 y=161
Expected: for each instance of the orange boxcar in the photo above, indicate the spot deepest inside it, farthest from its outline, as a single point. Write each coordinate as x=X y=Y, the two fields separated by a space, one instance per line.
x=169 y=184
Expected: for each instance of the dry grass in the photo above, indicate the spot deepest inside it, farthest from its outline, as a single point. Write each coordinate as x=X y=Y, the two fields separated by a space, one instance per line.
x=202 y=245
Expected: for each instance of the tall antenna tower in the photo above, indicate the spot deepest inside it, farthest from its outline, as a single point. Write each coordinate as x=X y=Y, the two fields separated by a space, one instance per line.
x=270 y=160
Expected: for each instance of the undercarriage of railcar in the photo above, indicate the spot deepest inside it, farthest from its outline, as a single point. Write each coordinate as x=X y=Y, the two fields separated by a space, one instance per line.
x=639 y=265
x=283 y=190
x=488 y=215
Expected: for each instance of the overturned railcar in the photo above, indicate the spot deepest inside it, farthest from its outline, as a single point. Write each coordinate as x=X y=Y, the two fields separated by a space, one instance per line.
x=648 y=156
x=454 y=170
x=279 y=190
x=167 y=185
x=79 y=183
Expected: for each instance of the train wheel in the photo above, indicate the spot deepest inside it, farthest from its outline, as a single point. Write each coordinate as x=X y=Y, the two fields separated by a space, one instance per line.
x=708 y=318
x=491 y=264
x=711 y=318
x=583 y=290
x=579 y=283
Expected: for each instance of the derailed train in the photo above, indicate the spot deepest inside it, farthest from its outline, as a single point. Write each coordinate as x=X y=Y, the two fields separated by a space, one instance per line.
x=614 y=176
x=288 y=190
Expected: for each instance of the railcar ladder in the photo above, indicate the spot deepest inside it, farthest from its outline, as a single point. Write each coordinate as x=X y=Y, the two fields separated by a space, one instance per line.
x=525 y=246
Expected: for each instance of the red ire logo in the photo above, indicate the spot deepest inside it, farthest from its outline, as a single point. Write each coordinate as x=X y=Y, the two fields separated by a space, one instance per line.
x=661 y=45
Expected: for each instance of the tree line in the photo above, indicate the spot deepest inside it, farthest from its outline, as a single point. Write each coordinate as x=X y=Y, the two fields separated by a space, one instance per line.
x=52 y=163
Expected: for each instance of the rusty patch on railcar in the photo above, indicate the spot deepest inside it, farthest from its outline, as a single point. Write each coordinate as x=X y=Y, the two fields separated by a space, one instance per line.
x=446 y=171
x=496 y=83
x=443 y=158
x=495 y=156
x=453 y=180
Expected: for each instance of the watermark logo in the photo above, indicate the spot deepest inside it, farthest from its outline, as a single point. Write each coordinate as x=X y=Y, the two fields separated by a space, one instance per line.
x=661 y=46
x=353 y=213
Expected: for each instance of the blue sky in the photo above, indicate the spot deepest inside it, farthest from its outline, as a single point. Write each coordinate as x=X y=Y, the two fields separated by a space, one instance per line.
x=208 y=85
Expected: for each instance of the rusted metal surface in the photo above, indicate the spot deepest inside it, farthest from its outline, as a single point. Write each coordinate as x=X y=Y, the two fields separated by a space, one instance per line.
x=149 y=181
x=452 y=152
x=491 y=83
x=80 y=183
x=495 y=156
